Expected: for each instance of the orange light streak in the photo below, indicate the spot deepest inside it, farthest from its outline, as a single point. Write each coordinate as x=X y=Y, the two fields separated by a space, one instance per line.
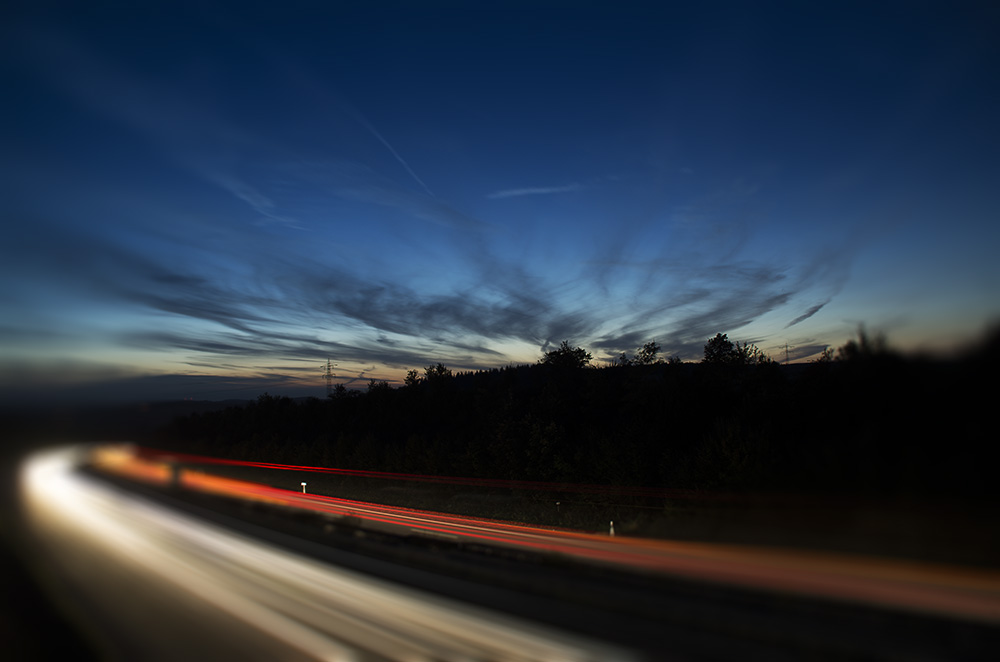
x=914 y=586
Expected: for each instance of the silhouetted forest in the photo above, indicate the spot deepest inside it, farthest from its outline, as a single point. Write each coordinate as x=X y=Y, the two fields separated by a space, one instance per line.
x=861 y=420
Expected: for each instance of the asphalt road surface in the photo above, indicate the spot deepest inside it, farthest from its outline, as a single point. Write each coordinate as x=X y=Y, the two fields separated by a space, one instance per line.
x=302 y=576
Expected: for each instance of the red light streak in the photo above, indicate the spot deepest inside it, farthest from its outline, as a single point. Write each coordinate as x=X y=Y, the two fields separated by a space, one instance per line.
x=902 y=584
x=540 y=486
x=494 y=532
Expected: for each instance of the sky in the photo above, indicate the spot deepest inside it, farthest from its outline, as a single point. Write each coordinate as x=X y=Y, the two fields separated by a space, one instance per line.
x=210 y=200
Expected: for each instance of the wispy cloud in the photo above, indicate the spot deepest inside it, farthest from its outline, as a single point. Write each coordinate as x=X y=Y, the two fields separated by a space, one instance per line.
x=692 y=302
x=535 y=190
x=406 y=166
x=188 y=130
x=240 y=189
x=353 y=181
x=232 y=294
x=809 y=313
x=274 y=304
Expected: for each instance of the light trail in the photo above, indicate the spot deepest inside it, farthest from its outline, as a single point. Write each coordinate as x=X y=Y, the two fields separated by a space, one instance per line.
x=960 y=592
x=305 y=609
x=578 y=488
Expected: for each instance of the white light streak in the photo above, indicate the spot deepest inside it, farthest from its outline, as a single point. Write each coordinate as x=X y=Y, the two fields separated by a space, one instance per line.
x=320 y=611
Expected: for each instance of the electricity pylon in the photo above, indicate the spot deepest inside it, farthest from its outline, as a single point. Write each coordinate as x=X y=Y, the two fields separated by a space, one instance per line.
x=328 y=373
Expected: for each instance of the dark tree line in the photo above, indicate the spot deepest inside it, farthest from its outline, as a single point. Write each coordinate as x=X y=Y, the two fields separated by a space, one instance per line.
x=863 y=420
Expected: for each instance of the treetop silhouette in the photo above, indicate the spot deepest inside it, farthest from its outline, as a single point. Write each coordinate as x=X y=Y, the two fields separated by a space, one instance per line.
x=721 y=350
x=566 y=357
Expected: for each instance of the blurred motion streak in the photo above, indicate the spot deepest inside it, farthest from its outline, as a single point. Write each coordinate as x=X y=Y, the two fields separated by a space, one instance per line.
x=962 y=592
x=316 y=611
x=579 y=488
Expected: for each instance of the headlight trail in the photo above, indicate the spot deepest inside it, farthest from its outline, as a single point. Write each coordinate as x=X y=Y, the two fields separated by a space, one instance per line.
x=314 y=610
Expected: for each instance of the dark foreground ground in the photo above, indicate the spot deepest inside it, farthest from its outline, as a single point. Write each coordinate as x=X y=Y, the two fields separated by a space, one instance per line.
x=932 y=526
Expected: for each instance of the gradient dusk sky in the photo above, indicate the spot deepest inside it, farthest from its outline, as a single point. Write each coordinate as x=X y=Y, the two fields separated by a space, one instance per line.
x=218 y=197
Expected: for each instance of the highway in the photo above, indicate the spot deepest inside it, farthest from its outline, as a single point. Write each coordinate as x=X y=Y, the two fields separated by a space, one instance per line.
x=266 y=603
x=161 y=583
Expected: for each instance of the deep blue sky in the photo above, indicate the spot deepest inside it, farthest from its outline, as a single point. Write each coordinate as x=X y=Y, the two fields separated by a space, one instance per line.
x=226 y=197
